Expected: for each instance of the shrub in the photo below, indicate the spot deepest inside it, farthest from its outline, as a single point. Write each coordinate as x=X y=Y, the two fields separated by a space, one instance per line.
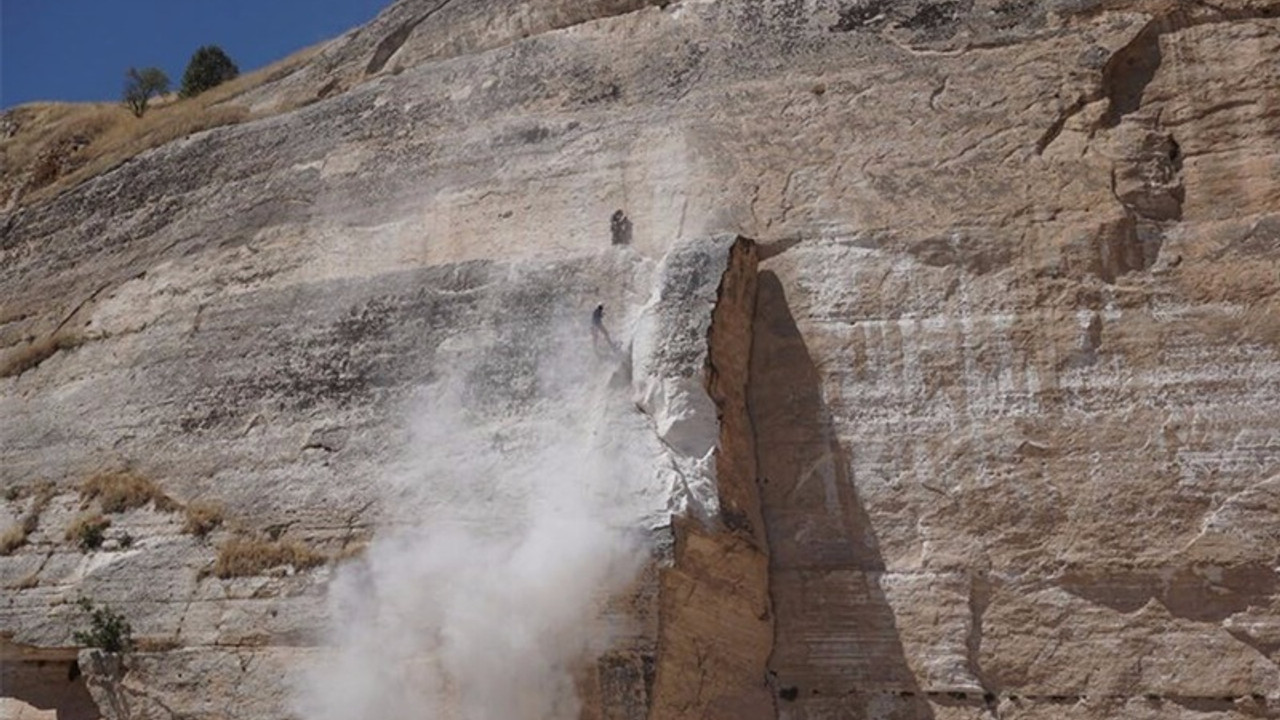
x=120 y=491
x=202 y=518
x=16 y=536
x=108 y=630
x=47 y=169
x=156 y=644
x=141 y=85
x=44 y=492
x=88 y=530
x=12 y=539
x=208 y=67
x=246 y=557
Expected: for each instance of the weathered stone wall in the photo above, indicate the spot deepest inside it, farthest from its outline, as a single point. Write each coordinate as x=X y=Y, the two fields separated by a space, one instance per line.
x=999 y=458
x=1013 y=364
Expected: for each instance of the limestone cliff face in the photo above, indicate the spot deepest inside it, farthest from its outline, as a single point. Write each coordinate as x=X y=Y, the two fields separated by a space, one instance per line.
x=982 y=421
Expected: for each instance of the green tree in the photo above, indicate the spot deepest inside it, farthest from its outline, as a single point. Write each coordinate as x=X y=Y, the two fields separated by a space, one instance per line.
x=140 y=85
x=208 y=67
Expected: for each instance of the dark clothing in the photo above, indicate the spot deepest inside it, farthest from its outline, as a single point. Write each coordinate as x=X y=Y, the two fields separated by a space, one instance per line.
x=598 y=332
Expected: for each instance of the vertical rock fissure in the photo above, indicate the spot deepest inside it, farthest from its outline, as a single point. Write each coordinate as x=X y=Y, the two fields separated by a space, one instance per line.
x=729 y=341
x=717 y=627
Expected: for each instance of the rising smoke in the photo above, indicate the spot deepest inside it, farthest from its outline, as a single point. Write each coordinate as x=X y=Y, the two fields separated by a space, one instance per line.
x=506 y=530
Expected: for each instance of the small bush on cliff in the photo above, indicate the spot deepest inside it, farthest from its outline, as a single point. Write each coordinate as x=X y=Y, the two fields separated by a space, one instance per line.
x=16 y=535
x=12 y=539
x=108 y=630
x=88 y=531
x=203 y=518
x=245 y=557
x=141 y=85
x=120 y=491
x=208 y=67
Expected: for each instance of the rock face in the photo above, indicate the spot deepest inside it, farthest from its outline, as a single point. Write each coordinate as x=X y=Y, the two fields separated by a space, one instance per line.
x=982 y=421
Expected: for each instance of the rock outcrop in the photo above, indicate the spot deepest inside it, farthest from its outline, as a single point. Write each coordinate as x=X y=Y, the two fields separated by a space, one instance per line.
x=981 y=421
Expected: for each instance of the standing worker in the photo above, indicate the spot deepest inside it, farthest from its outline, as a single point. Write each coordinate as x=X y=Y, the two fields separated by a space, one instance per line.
x=598 y=331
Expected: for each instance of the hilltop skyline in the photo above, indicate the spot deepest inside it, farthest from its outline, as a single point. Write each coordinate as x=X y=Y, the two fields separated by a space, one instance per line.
x=97 y=42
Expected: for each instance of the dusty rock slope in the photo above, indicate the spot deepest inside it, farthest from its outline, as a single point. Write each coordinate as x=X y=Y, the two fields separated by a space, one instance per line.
x=978 y=299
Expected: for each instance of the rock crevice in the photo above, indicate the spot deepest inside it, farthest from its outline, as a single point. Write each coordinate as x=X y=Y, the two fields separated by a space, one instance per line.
x=716 y=630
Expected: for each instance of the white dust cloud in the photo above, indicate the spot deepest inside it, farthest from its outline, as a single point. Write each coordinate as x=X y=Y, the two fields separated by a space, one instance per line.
x=506 y=530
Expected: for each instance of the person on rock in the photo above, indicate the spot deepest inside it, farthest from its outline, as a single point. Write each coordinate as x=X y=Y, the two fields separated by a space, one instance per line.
x=598 y=331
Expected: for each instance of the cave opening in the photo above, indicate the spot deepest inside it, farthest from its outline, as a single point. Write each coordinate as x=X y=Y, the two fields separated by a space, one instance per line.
x=43 y=684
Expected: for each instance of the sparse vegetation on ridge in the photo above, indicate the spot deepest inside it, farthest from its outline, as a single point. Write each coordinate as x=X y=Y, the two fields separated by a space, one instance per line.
x=63 y=144
x=209 y=67
x=141 y=85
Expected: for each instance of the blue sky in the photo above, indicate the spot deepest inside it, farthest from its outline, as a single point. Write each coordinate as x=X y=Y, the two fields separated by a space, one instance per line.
x=80 y=49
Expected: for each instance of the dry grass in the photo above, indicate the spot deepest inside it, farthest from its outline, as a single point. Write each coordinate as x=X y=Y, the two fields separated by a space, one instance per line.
x=16 y=536
x=246 y=557
x=87 y=530
x=156 y=644
x=120 y=491
x=12 y=539
x=203 y=518
x=354 y=551
x=22 y=358
x=43 y=492
x=64 y=144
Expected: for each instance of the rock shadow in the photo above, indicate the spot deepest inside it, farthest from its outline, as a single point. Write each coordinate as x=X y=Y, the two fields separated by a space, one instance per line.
x=1206 y=593
x=46 y=684
x=837 y=649
x=1127 y=74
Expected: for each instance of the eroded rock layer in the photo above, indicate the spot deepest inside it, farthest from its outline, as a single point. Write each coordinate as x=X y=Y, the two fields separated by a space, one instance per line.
x=983 y=424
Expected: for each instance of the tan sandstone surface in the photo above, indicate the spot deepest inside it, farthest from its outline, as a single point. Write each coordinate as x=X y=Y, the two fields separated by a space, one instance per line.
x=950 y=334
